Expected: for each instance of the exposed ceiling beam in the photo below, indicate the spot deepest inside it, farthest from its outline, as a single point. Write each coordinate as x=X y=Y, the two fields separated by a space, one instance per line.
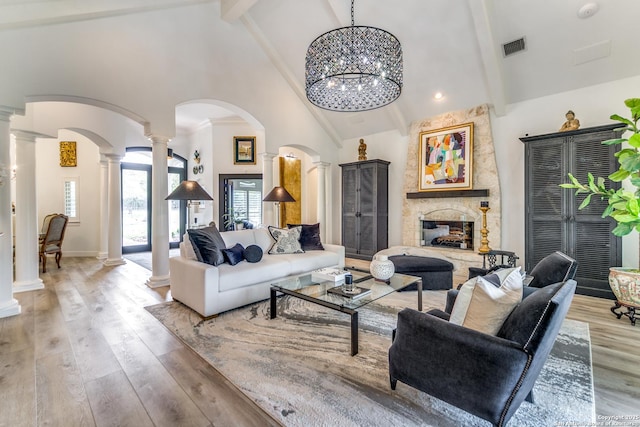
x=84 y=11
x=490 y=56
x=289 y=77
x=231 y=10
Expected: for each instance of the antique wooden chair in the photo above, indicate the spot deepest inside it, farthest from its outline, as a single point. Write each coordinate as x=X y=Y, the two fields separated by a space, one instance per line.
x=51 y=242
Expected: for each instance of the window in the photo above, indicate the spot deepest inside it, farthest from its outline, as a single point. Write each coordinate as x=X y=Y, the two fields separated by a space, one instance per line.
x=71 y=199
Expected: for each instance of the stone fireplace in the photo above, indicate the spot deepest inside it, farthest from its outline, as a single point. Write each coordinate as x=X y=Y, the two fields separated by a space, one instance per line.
x=461 y=206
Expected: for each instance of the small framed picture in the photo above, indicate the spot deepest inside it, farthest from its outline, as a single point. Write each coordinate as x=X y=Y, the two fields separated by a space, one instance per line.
x=244 y=150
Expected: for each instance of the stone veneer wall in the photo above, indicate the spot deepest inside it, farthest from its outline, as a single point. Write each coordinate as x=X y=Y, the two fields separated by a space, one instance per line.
x=485 y=176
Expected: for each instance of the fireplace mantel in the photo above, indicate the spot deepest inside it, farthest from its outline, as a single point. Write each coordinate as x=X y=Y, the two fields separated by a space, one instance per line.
x=444 y=194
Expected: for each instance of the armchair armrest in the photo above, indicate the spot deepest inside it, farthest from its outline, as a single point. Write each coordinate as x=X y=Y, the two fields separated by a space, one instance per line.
x=452 y=294
x=456 y=364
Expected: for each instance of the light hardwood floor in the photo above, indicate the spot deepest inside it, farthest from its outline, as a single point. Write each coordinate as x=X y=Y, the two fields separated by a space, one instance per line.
x=84 y=351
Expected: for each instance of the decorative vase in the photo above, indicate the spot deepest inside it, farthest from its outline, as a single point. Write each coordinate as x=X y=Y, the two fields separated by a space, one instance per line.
x=382 y=268
x=625 y=284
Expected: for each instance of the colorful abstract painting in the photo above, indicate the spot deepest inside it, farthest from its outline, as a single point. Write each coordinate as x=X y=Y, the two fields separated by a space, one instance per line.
x=446 y=157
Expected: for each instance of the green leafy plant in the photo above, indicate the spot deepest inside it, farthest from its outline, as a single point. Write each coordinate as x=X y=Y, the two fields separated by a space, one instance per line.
x=624 y=205
x=234 y=217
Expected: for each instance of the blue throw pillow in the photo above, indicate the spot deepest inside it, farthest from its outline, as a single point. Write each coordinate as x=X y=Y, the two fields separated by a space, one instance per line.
x=234 y=255
x=207 y=244
x=252 y=253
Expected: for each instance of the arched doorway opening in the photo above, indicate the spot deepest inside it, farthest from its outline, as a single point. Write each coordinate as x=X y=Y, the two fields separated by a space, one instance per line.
x=135 y=169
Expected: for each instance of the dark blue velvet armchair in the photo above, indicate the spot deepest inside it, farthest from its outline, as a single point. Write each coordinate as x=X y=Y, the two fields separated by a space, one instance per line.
x=488 y=376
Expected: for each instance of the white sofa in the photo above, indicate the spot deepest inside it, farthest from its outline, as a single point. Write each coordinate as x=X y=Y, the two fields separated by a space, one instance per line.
x=210 y=290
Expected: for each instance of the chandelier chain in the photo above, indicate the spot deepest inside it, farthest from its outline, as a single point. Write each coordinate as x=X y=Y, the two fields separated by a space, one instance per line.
x=352 y=21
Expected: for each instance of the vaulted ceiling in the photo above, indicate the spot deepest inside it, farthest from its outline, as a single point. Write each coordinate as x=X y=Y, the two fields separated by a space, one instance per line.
x=450 y=46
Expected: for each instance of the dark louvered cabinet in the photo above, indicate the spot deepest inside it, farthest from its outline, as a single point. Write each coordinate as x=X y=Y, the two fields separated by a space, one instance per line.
x=365 y=208
x=552 y=219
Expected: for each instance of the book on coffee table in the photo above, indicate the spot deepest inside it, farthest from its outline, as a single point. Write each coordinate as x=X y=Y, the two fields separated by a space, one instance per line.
x=330 y=274
x=357 y=292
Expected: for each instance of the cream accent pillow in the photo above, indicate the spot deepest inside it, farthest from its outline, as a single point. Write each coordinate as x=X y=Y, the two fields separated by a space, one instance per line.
x=463 y=300
x=189 y=253
x=487 y=306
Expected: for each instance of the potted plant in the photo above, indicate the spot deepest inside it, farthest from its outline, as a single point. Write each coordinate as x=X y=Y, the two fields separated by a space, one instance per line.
x=234 y=219
x=623 y=205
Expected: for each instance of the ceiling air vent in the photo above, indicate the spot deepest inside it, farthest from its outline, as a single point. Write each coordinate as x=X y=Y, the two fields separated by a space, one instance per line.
x=513 y=47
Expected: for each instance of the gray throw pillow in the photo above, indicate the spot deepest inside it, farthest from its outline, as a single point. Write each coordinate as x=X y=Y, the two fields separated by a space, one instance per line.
x=207 y=244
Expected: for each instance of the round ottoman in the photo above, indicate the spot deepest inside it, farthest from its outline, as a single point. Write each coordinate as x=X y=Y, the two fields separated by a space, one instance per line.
x=435 y=273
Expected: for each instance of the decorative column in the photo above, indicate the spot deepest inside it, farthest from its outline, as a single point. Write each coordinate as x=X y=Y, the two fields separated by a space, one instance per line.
x=8 y=305
x=160 y=214
x=321 y=167
x=268 y=216
x=114 y=255
x=27 y=262
x=104 y=208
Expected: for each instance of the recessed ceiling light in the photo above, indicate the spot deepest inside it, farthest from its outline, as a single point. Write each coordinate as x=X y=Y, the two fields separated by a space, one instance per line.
x=588 y=10
x=438 y=95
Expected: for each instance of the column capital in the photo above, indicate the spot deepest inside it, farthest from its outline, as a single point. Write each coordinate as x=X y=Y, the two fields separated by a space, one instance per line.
x=322 y=165
x=26 y=135
x=113 y=157
x=268 y=156
x=158 y=139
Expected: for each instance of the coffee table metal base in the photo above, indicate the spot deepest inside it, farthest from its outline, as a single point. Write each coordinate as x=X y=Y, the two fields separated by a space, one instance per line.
x=351 y=312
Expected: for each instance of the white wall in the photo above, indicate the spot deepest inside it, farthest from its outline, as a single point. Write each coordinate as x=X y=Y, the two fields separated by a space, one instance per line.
x=592 y=105
x=82 y=238
x=390 y=146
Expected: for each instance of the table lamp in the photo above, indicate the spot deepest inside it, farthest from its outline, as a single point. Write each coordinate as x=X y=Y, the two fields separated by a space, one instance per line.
x=189 y=190
x=278 y=195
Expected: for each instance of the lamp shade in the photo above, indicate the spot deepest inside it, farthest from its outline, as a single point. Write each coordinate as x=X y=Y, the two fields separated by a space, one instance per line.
x=278 y=194
x=189 y=190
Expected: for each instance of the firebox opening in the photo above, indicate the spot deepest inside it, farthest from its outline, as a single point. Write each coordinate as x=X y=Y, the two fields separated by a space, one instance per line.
x=448 y=234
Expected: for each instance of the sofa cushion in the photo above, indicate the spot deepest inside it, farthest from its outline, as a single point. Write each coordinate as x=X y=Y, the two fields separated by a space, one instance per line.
x=234 y=254
x=309 y=261
x=309 y=237
x=286 y=240
x=263 y=239
x=271 y=269
x=244 y=237
x=252 y=253
x=207 y=245
x=483 y=307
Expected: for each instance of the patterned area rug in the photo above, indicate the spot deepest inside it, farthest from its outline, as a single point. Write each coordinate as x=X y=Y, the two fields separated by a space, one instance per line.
x=298 y=368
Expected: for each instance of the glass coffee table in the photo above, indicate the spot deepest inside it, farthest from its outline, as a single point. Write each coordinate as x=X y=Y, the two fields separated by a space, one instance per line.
x=317 y=292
